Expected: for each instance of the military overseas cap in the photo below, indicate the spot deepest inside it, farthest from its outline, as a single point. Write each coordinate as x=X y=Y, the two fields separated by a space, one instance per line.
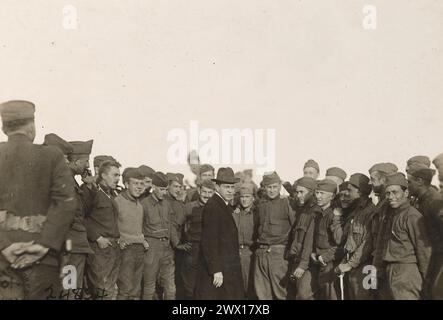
x=208 y=184
x=246 y=188
x=307 y=182
x=17 y=110
x=423 y=173
x=205 y=168
x=311 y=164
x=336 y=172
x=271 y=178
x=160 y=179
x=174 y=177
x=422 y=160
x=52 y=139
x=384 y=167
x=180 y=177
x=98 y=160
x=129 y=173
x=82 y=147
x=397 y=179
x=361 y=181
x=146 y=171
x=327 y=185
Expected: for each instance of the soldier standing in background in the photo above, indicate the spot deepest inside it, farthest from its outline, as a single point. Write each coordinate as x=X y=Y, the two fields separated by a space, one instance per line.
x=102 y=229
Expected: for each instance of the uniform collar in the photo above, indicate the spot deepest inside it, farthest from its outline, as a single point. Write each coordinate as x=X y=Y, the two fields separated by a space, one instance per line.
x=19 y=137
x=125 y=194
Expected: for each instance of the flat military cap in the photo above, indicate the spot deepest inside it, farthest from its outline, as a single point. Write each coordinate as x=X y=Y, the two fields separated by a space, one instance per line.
x=82 y=147
x=160 y=179
x=174 y=177
x=205 y=168
x=17 y=110
x=311 y=164
x=246 y=188
x=327 y=185
x=207 y=184
x=336 y=172
x=343 y=186
x=424 y=173
x=180 y=177
x=423 y=160
x=307 y=182
x=384 y=167
x=271 y=178
x=129 y=173
x=146 y=171
x=396 y=179
x=361 y=181
x=98 y=160
x=52 y=139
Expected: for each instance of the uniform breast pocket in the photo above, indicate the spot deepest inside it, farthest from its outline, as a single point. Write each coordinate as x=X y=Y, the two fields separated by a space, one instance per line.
x=300 y=232
x=154 y=217
x=323 y=239
x=357 y=233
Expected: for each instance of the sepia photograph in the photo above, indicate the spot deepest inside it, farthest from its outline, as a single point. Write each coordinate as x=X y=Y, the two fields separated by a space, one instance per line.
x=215 y=157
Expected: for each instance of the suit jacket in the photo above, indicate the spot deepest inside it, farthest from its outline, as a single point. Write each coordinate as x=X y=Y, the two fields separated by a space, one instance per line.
x=219 y=253
x=35 y=181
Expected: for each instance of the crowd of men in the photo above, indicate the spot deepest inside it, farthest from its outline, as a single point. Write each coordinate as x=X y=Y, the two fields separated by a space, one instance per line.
x=374 y=236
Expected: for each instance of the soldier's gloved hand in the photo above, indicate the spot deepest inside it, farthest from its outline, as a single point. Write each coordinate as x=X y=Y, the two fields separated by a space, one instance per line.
x=103 y=243
x=146 y=245
x=343 y=268
x=218 y=279
x=184 y=246
x=29 y=255
x=298 y=273
x=9 y=252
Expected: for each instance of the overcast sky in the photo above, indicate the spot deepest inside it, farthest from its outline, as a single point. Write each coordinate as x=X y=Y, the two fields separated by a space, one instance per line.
x=133 y=71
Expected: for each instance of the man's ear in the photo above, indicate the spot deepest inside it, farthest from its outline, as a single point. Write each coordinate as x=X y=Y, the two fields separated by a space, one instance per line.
x=407 y=193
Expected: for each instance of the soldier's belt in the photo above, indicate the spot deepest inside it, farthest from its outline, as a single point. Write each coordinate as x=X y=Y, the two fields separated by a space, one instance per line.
x=31 y=224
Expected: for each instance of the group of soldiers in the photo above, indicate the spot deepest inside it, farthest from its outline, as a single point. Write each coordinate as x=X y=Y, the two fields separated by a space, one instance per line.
x=375 y=236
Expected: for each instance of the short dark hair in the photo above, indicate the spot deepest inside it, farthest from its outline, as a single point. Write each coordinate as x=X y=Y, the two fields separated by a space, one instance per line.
x=14 y=125
x=106 y=166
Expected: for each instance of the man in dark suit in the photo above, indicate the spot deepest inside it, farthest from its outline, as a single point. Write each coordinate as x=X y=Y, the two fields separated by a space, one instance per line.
x=36 y=204
x=220 y=267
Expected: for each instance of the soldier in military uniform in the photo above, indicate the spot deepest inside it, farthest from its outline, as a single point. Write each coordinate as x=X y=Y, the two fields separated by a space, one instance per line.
x=303 y=240
x=408 y=249
x=76 y=247
x=311 y=169
x=357 y=238
x=36 y=203
x=160 y=232
x=276 y=218
x=148 y=174
x=427 y=202
x=102 y=230
x=205 y=172
x=132 y=242
x=246 y=219
x=327 y=252
x=378 y=175
x=175 y=183
x=192 y=237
